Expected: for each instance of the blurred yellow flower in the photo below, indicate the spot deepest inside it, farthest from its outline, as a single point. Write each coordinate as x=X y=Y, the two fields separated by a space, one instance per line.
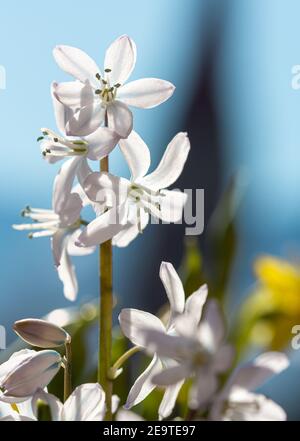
x=273 y=307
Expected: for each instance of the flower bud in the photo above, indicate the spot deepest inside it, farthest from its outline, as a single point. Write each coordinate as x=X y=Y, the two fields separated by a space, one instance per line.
x=41 y=333
x=34 y=372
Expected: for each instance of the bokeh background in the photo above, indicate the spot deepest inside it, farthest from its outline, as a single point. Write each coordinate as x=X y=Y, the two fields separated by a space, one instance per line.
x=231 y=61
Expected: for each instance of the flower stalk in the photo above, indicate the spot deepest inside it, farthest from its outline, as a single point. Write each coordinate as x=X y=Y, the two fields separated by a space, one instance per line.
x=68 y=369
x=106 y=311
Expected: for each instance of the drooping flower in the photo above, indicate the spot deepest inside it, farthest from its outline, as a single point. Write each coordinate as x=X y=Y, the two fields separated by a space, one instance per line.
x=198 y=349
x=25 y=372
x=63 y=224
x=94 y=94
x=237 y=402
x=129 y=203
x=133 y=324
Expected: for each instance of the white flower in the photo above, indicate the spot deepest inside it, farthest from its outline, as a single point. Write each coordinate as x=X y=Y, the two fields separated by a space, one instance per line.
x=55 y=147
x=96 y=94
x=133 y=200
x=25 y=372
x=63 y=225
x=237 y=402
x=199 y=351
x=134 y=322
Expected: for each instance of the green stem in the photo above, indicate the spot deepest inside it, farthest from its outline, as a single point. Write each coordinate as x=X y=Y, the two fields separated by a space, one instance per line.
x=68 y=370
x=123 y=359
x=106 y=311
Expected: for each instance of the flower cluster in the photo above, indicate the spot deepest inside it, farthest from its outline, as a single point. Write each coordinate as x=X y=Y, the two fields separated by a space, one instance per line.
x=93 y=117
x=189 y=349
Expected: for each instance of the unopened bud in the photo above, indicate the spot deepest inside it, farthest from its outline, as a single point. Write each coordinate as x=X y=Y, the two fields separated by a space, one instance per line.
x=41 y=333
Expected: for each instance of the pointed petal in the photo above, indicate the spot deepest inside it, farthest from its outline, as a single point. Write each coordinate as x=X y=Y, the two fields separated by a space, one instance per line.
x=119 y=118
x=195 y=302
x=86 y=403
x=173 y=287
x=213 y=320
x=101 y=143
x=143 y=386
x=136 y=154
x=120 y=58
x=16 y=359
x=67 y=275
x=146 y=92
x=132 y=321
x=171 y=165
x=77 y=63
x=255 y=374
x=169 y=400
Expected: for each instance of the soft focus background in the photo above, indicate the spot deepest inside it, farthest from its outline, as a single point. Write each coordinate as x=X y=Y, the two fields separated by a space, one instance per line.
x=231 y=61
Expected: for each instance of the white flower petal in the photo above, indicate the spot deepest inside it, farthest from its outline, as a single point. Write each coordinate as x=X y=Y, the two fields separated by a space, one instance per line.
x=74 y=93
x=35 y=372
x=53 y=402
x=67 y=275
x=136 y=154
x=119 y=118
x=223 y=359
x=120 y=58
x=86 y=403
x=101 y=143
x=103 y=228
x=167 y=345
x=213 y=319
x=146 y=92
x=74 y=250
x=204 y=387
x=171 y=164
x=173 y=287
x=133 y=321
x=16 y=359
x=63 y=184
x=195 y=302
x=169 y=400
x=253 y=375
x=57 y=244
x=77 y=63
x=171 y=205
x=86 y=120
x=106 y=189
x=172 y=375
x=131 y=231
x=143 y=386
x=127 y=415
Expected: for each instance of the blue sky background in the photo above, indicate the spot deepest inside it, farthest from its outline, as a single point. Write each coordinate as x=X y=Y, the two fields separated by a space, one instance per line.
x=258 y=110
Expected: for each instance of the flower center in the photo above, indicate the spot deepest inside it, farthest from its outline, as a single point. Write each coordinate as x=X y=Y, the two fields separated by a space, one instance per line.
x=106 y=91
